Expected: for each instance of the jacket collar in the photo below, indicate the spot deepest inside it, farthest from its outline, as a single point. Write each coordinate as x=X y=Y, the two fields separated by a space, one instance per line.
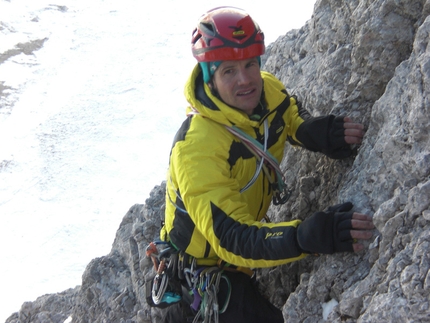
x=203 y=102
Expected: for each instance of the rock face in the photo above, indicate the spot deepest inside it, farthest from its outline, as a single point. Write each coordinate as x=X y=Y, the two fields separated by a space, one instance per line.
x=366 y=59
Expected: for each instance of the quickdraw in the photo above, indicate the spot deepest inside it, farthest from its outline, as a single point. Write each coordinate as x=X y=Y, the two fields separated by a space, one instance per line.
x=175 y=269
x=163 y=290
x=205 y=287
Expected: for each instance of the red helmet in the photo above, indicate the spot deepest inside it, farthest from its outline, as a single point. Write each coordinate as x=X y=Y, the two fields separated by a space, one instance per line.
x=227 y=33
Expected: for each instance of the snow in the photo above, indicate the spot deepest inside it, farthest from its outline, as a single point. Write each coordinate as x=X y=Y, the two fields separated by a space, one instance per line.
x=328 y=308
x=87 y=124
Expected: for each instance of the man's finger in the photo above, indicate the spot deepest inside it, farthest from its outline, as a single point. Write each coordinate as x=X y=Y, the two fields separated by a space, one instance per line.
x=353 y=140
x=357 y=247
x=362 y=225
x=353 y=125
x=352 y=132
x=361 y=234
x=361 y=216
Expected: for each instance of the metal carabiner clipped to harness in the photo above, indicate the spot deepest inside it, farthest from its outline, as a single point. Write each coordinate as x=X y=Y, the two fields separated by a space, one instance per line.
x=159 y=287
x=280 y=198
x=161 y=291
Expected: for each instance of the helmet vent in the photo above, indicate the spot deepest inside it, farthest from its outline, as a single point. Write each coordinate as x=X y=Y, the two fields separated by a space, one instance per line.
x=196 y=39
x=208 y=29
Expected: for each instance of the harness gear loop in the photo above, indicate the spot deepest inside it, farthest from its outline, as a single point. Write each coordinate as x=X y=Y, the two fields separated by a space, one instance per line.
x=206 y=295
x=175 y=269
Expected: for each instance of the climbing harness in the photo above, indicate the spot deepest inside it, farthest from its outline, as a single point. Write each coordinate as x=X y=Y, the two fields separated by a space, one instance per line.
x=175 y=270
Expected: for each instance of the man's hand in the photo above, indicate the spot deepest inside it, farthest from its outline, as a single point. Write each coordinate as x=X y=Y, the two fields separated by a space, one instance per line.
x=335 y=230
x=343 y=133
x=332 y=135
x=354 y=132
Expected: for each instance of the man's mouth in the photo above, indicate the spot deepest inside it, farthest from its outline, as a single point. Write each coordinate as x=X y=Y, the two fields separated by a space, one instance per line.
x=245 y=93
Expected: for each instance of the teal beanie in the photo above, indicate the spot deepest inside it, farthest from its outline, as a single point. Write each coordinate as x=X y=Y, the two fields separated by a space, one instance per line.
x=209 y=68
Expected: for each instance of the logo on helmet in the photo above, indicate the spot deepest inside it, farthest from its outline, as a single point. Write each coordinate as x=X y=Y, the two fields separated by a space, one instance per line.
x=238 y=32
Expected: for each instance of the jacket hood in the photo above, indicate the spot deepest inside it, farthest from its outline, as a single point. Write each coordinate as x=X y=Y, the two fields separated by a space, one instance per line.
x=203 y=102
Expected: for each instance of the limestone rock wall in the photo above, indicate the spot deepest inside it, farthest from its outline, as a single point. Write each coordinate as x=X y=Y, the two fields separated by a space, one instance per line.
x=366 y=59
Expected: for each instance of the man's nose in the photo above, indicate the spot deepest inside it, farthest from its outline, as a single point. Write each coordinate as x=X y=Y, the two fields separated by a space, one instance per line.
x=243 y=76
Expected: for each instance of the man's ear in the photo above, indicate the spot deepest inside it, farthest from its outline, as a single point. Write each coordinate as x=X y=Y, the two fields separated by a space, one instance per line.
x=212 y=87
x=211 y=84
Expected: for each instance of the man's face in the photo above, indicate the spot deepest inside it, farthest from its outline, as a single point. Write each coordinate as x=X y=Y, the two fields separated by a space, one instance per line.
x=239 y=83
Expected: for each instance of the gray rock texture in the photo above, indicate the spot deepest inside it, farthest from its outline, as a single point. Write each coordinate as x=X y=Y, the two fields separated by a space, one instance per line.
x=366 y=59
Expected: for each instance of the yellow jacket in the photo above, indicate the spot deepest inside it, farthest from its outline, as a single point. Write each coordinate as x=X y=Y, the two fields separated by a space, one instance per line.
x=206 y=214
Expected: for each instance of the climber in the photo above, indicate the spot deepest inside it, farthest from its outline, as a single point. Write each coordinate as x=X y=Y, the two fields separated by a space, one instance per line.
x=224 y=172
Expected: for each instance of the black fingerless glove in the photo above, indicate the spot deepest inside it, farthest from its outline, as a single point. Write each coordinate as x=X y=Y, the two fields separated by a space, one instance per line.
x=325 y=134
x=327 y=232
x=337 y=147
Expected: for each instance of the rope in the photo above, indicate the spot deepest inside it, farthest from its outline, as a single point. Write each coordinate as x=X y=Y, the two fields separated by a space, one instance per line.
x=262 y=155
